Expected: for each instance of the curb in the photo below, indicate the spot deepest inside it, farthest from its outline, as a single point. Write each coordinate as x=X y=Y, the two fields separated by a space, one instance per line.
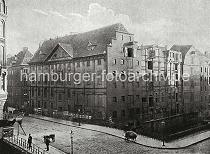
x=154 y=147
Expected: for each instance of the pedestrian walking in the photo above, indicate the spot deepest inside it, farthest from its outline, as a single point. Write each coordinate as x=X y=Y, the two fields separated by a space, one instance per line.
x=47 y=142
x=29 y=141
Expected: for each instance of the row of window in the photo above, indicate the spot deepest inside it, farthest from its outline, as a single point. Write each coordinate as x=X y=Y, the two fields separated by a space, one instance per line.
x=122 y=62
x=114 y=99
x=206 y=70
x=144 y=99
x=45 y=92
x=122 y=37
x=88 y=63
x=62 y=66
x=123 y=84
x=175 y=55
x=151 y=63
x=203 y=88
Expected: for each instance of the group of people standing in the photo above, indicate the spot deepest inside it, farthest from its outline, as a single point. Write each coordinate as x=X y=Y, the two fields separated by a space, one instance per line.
x=46 y=140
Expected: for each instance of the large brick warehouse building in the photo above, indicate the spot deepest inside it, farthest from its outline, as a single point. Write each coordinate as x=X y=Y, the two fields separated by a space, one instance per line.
x=113 y=49
x=91 y=52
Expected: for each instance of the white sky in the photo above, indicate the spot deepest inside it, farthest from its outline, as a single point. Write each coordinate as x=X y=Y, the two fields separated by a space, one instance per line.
x=163 y=22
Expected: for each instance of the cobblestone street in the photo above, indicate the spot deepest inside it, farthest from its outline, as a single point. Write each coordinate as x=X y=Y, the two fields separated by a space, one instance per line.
x=86 y=141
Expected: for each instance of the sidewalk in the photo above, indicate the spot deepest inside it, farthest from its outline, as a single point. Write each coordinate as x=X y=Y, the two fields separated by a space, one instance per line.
x=52 y=150
x=142 y=140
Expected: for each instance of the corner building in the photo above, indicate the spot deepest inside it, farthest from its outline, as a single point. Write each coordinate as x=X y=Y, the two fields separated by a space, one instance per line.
x=17 y=87
x=110 y=48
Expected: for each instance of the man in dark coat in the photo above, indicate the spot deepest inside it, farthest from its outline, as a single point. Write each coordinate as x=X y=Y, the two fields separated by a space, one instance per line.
x=29 y=141
x=47 y=142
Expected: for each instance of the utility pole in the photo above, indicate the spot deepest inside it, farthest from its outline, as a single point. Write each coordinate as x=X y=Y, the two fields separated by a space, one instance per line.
x=79 y=117
x=18 y=130
x=163 y=133
x=71 y=141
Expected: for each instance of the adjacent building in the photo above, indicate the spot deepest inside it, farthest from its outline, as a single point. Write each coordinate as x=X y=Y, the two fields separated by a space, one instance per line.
x=17 y=86
x=195 y=65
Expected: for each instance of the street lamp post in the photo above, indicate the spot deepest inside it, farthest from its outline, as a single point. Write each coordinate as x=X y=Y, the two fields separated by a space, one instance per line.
x=79 y=117
x=163 y=129
x=71 y=141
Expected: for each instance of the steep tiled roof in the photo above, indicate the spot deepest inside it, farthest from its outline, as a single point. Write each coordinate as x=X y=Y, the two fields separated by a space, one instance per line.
x=79 y=42
x=22 y=58
x=181 y=48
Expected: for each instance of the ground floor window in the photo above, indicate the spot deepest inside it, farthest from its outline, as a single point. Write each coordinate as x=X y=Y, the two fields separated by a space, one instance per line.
x=114 y=114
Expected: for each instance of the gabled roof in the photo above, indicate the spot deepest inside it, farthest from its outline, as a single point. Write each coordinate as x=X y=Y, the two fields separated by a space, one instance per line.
x=79 y=42
x=181 y=48
x=65 y=47
x=22 y=58
x=68 y=48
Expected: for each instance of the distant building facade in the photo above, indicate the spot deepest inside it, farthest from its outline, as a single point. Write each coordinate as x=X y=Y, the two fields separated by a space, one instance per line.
x=18 y=88
x=196 y=94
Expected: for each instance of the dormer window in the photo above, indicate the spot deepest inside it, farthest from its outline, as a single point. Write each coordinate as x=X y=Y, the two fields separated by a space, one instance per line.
x=90 y=46
x=192 y=52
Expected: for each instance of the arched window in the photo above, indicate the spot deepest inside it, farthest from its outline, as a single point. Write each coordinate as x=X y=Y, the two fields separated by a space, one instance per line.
x=2 y=6
x=2 y=29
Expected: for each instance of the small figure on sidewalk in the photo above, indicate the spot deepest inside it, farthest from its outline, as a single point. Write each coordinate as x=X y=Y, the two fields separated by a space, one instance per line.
x=47 y=142
x=29 y=141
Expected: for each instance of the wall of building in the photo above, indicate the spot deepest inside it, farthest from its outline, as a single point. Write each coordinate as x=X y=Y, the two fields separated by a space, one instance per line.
x=123 y=98
x=90 y=97
x=3 y=75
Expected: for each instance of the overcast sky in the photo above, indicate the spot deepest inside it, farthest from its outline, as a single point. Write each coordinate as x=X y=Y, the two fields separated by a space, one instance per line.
x=162 y=22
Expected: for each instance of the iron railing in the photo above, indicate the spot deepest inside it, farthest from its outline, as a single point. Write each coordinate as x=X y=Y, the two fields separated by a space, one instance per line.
x=23 y=144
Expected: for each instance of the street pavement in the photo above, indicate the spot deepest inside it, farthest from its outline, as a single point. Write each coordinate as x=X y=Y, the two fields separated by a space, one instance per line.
x=142 y=140
x=92 y=142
